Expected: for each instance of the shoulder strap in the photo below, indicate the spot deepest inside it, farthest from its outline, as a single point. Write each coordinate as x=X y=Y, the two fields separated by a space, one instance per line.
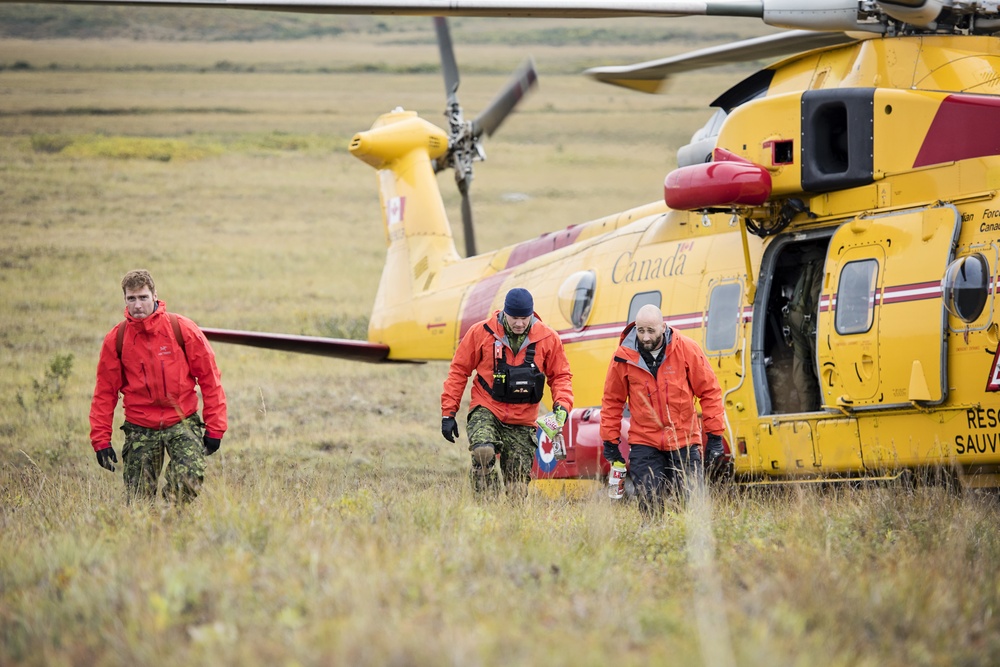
x=175 y=325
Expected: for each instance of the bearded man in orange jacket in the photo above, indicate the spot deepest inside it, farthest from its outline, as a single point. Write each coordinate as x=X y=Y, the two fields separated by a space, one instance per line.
x=155 y=359
x=512 y=353
x=660 y=372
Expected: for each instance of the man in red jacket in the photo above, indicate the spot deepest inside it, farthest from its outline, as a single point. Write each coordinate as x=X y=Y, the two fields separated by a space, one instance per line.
x=512 y=353
x=659 y=373
x=155 y=359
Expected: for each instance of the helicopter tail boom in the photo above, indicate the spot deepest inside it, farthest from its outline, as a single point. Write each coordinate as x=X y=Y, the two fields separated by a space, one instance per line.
x=401 y=147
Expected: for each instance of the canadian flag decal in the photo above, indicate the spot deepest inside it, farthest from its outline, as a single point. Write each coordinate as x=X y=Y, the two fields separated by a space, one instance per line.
x=394 y=210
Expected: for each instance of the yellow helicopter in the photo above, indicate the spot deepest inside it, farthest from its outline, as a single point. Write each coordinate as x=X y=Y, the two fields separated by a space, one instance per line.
x=831 y=238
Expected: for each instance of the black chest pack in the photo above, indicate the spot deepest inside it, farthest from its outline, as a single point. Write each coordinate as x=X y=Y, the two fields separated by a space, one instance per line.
x=515 y=384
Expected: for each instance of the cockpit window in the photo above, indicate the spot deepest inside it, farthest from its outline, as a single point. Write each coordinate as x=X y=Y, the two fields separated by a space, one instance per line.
x=576 y=297
x=855 y=299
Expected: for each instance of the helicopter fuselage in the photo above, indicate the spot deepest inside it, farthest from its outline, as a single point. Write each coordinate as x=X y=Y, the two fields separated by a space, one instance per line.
x=881 y=160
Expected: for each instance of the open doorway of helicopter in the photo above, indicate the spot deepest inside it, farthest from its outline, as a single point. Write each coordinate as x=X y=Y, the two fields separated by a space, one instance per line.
x=786 y=377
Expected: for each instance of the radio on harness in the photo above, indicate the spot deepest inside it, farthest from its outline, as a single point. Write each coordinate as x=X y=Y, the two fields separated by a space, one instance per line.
x=516 y=384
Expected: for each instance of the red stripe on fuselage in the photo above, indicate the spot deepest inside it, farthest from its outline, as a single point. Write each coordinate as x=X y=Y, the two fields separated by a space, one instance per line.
x=614 y=329
x=477 y=305
x=545 y=243
x=964 y=127
x=912 y=292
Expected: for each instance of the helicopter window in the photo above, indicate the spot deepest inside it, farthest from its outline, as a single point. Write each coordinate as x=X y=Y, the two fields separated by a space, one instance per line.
x=576 y=297
x=640 y=300
x=856 y=297
x=723 y=317
x=966 y=287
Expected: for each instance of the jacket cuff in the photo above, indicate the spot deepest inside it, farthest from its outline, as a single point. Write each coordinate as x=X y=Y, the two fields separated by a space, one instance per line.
x=98 y=446
x=214 y=434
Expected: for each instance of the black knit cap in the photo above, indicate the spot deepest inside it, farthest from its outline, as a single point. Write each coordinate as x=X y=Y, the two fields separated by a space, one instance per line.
x=519 y=303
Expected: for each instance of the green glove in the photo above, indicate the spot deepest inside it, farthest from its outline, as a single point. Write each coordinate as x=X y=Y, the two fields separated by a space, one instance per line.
x=560 y=413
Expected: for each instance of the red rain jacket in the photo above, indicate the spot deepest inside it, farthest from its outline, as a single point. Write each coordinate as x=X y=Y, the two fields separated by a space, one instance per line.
x=160 y=377
x=475 y=353
x=662 y=408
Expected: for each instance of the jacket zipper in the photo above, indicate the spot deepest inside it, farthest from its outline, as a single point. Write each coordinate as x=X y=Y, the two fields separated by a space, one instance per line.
x=145 y=380
x=163 y=378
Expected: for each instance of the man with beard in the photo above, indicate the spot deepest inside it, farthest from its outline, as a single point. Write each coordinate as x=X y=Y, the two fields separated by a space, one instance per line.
x=659 y=373
x=513 y=353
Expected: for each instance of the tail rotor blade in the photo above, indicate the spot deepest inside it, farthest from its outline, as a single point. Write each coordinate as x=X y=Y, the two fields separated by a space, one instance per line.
x=517 y=87
x=448 y=65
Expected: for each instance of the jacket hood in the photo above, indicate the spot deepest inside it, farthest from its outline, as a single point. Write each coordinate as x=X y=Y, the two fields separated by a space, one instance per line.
x=628 y=332
x=502 y=331
x=629 y=339
x=147 y=322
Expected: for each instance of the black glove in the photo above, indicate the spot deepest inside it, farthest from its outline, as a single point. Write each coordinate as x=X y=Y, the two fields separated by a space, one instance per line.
x=449 y=428
x=715 y=454
x=211 y=445
x=612 y=453
x=106 y=458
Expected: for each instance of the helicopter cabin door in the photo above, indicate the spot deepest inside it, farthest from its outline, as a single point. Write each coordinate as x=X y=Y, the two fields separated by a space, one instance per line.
x=881 y=329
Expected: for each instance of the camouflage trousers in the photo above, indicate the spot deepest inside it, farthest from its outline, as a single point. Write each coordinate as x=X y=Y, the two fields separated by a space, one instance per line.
x=142 y=458
x=514 y=443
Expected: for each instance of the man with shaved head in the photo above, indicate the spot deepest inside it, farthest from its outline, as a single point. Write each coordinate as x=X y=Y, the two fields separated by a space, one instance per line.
x=659 y=373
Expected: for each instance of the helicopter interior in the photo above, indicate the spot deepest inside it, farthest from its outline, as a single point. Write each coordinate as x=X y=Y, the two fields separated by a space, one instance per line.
x=787 y=339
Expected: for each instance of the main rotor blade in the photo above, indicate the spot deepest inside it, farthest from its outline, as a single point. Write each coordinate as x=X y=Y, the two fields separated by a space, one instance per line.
x=651 y=76
x=448 y=65
x=523 y=80
x=467 y=229
x=581 y=9
x=341 y=348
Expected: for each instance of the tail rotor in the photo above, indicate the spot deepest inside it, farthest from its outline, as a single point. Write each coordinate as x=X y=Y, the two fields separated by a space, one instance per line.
x=465 y=137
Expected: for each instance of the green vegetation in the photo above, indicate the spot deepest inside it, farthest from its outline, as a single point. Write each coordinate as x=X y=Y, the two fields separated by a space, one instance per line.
x=151 y=148
x=336 y=526
x=51 y=388
x=345 y=327
x=133 y=147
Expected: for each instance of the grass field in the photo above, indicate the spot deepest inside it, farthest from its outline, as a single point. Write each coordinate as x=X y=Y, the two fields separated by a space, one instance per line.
x=335 y=526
